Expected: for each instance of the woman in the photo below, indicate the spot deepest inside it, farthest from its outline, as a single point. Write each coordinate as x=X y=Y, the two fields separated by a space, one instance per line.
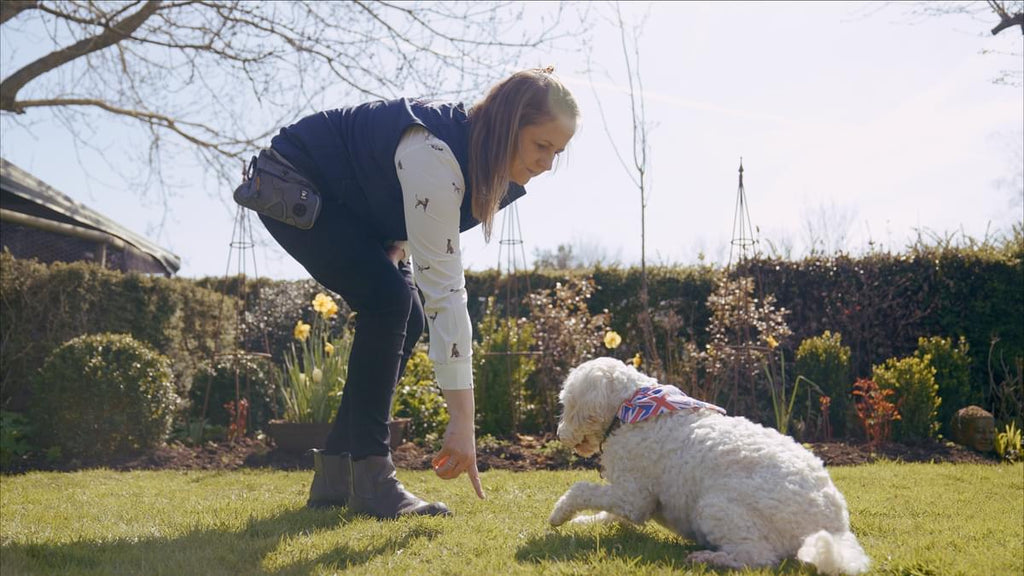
x=403 y=178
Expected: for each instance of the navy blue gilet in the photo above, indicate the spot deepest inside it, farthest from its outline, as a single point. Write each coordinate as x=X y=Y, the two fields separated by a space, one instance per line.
x=349 y=154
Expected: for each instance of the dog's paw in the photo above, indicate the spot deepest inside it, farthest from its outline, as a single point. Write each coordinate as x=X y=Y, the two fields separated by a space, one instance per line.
x=559 y=516
x=714 y=558
x=562 y=512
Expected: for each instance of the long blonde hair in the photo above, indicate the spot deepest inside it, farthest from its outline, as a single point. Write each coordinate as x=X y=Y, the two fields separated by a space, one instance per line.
x=526 y=98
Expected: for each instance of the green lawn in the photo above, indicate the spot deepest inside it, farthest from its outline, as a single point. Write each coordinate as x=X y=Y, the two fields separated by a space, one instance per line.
x=913 y=519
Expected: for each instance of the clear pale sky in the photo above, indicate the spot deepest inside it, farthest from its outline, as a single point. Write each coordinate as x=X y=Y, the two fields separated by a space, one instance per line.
x=857 y=120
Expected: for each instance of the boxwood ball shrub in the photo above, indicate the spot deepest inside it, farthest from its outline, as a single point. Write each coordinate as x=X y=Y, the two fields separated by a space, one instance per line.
x=952 y=362
x=825 y=361
x=101 y=395
x=916 y=396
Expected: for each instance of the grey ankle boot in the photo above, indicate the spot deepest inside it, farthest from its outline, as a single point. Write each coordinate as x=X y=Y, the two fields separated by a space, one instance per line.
x=377 y=492
x=332 y=480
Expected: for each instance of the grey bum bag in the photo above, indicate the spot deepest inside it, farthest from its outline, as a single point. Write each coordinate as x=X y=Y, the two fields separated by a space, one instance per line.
x=273 y=187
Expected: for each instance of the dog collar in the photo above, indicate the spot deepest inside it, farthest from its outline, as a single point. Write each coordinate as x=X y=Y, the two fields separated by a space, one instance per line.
x=650 y=401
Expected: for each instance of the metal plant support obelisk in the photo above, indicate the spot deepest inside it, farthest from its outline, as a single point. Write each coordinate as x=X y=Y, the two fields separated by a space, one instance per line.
x=512 y=271
x=745 y=244
x=514 y=258
x=743 y=239
x=242 y=250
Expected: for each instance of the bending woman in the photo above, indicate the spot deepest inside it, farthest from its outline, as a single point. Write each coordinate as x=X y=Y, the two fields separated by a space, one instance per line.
x=403 y=178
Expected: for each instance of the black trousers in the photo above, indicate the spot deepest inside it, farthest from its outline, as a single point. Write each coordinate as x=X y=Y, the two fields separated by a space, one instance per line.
x=343 y=254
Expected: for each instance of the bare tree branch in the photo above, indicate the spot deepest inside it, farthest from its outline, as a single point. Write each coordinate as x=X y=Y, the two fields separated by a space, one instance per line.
x=182 y=128
x=12 y=8
x=220 y=76
x=1009 y=14
x=113 y=34
x=1006 y=19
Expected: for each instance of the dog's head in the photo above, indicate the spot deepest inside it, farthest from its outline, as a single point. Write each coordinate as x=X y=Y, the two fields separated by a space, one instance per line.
x=590 y=397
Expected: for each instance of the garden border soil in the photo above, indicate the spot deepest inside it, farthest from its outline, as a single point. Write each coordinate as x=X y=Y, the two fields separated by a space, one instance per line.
x=523 y=454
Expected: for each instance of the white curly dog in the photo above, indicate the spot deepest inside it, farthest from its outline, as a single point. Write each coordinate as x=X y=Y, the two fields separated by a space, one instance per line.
x=750 y=495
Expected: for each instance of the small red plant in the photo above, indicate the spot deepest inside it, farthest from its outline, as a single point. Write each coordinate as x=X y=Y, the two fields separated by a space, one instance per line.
x=874 y=411
x=238 y=418
x=826 y=424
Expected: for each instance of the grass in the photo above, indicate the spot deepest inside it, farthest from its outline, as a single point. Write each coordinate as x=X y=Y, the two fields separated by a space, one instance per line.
x=913 y=519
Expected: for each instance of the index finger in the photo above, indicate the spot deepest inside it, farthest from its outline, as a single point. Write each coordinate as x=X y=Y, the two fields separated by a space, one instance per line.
x=474 y=477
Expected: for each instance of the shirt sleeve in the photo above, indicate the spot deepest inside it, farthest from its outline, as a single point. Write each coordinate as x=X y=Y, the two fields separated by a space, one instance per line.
x=432 y=192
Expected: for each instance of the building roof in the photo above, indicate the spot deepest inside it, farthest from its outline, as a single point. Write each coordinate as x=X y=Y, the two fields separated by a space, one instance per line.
x=44 y=201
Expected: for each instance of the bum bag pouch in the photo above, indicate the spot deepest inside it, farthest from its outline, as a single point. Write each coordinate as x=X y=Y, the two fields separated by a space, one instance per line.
x=274 y=188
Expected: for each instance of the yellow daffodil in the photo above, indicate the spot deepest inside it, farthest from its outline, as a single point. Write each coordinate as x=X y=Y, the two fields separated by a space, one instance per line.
x=612 y=339
x=328 y=348
x=320 y=301
x=301 y=331
x=772 y=342
x=325 y=305
x=637 y=360
x=318 y=375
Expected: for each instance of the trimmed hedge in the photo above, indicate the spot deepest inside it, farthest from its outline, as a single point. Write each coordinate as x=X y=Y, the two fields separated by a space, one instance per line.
x=273 y=308
x=43 y=306
x=881 y=304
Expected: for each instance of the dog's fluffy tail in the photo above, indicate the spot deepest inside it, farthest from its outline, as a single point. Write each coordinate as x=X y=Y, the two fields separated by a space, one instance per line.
x=834 y=554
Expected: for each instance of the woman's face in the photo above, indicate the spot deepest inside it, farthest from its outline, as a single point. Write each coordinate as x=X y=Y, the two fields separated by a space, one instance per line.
x=537 y=147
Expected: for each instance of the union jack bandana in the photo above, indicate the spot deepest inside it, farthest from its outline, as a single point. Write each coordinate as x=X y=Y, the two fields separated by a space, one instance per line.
x=650 y=401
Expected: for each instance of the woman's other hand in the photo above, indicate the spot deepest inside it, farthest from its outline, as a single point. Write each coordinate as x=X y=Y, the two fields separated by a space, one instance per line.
x=396 y=252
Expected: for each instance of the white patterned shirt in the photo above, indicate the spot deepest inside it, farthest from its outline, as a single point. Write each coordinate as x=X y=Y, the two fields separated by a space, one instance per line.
x=432 y=193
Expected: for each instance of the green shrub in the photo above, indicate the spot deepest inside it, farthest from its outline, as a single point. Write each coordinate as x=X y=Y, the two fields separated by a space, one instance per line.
x=566 y=334
x=1008 y=443
x=14 y=433
x=1006 y=385
x=500 y=369
x=558 y=455
x=214 y=386
x=745 y=326
x=418 y=398
x=912 y=381
x=952 y=364
x=826 y=362
x=104 y=394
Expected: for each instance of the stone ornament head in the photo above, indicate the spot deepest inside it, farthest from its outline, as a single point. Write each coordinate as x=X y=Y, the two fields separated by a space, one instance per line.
x=975 y=428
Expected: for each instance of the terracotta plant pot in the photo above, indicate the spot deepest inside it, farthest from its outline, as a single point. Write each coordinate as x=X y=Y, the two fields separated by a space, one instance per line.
x=399 y=428
x=299 y=437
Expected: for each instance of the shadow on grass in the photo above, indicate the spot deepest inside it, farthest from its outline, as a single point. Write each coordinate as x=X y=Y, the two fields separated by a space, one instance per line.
x=248 y=550
x=636 y=547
